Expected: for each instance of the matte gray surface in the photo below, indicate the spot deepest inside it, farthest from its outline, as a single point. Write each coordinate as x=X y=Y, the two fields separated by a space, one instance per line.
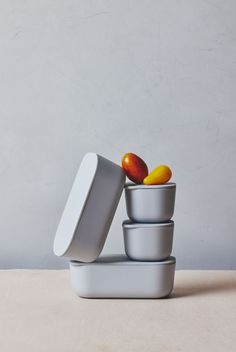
x=150 y=204
x=148 y=241
x=86 y=219
x=118 y=277
x=155 y=78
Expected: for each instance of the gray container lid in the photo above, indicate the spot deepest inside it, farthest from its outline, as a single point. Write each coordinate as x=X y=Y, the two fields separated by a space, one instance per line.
x=90 y=209
x=120 y=259
x=131 y=224
x=131 y=185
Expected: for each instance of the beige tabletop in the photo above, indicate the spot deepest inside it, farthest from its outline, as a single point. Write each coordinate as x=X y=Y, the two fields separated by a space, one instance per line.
x=39 y=312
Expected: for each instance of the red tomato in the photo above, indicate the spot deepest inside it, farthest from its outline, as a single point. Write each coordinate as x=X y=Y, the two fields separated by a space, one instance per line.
x=135 y=168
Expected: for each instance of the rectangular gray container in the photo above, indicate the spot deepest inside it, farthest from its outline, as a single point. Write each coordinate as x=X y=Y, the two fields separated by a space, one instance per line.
x=89 y=209
x=119 y=277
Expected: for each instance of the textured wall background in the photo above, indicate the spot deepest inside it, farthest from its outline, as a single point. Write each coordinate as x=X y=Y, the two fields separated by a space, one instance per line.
x=154 y=77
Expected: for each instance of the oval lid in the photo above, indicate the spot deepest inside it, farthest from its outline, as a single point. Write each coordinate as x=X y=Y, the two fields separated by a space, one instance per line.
x=94 y=173
x=130 y=185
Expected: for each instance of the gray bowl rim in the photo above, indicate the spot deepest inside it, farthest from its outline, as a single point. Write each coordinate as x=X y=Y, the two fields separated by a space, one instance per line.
x=131 y=224
x=167 y=185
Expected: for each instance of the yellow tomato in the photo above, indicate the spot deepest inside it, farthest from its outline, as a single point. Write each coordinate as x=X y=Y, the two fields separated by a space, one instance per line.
x=160 y=175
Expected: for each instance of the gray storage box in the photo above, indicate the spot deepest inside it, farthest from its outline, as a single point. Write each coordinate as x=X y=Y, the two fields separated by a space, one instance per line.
x=148 y=242
x=150 y=203
x=119 y=277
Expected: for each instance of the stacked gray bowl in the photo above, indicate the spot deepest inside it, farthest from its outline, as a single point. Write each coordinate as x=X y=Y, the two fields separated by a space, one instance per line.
x=148 y=235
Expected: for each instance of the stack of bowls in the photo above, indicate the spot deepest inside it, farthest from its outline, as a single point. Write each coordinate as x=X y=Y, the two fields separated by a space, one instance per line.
x=148 y=235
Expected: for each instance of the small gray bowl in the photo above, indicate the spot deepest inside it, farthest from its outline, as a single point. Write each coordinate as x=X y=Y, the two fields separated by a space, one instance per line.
x=148 y=242
x=152 y=203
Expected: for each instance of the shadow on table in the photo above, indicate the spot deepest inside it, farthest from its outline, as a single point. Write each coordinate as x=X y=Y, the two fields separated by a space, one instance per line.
x=222 y=285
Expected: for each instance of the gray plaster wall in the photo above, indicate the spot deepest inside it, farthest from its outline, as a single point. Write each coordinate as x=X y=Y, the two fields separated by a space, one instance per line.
x=156 y=78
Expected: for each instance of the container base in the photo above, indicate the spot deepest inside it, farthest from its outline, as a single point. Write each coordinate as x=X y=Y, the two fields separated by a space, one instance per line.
x=119 y=277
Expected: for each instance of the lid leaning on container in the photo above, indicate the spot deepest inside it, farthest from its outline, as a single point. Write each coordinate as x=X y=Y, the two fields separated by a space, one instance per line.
x=90 y=208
